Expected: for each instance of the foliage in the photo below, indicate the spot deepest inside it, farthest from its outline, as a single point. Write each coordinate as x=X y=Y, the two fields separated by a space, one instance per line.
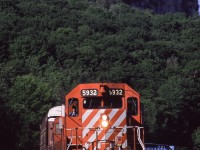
x=196 y=138
x=48 y=47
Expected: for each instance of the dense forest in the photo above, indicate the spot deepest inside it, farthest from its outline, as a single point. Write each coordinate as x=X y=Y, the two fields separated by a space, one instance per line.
x=47 y=47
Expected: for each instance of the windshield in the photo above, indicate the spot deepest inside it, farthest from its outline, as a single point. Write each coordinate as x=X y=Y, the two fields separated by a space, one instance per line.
x=102 y=102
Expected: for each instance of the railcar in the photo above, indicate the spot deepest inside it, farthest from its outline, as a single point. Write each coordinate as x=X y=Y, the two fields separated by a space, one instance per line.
x=46 y=128
x=99 y=116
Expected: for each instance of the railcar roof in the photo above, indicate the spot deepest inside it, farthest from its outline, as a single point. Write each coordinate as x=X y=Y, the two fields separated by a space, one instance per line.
x=55 y=111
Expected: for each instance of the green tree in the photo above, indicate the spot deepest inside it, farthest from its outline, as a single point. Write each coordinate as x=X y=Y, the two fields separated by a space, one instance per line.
x=29 y=98
x=196 y=138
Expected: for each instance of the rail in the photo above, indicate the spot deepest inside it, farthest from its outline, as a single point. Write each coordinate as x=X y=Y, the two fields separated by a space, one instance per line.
x=139 y=139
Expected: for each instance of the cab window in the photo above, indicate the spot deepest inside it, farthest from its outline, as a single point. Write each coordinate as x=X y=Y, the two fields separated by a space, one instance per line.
x=132 y=106
x=102 y=102
x=73 y=110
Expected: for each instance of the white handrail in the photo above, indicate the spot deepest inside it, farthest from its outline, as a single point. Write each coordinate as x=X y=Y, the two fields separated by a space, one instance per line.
x=139 y=139
x=70 y=141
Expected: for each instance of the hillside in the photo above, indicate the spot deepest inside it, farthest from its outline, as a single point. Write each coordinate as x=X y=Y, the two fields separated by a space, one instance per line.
x=48 y=47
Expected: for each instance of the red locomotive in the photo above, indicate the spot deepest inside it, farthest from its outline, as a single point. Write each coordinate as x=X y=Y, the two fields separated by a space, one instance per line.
x=97 y=116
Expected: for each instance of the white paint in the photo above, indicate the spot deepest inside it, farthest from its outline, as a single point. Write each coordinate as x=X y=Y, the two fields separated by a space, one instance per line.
x=55 y=111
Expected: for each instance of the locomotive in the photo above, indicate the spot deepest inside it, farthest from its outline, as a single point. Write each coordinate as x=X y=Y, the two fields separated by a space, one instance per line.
x=95 y=116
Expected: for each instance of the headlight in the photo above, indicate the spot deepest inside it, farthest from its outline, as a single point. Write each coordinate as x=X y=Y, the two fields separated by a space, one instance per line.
x=104 y=123
x=104 y=117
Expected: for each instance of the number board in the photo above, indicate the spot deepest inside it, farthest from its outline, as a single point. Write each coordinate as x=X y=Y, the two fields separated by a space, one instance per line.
x=89 y=92
x=116 y=92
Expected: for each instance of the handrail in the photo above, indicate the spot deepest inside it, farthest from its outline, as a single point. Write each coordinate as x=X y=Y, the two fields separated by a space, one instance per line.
x=139 y=139
x=138 y=128
x=70 y=139
x=138 y=135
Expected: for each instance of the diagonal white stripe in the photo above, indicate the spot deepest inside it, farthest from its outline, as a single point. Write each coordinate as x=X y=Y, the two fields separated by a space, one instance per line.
x=111 y=115
x=96 y=117
x=86 y=114
x=92 y=121
x=93 y=137
x=120 y=134
x=116 y=124
x=124 y=145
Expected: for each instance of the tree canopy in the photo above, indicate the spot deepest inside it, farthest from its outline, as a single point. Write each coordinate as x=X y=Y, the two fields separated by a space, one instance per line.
x=48 y=47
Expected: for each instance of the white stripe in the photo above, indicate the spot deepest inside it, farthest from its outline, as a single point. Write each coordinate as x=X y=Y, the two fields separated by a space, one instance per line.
x=92 y=121
x=124 y=145
x=116 y=124
x=111 y=115
x=110 y=131
x=93 y=137
x=86 y=145
x=120 y=134
x=120 y=119
x=86 y=114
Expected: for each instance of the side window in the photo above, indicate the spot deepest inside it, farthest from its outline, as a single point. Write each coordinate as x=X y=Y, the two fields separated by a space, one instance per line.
x=73 y=107
x=132 y=106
